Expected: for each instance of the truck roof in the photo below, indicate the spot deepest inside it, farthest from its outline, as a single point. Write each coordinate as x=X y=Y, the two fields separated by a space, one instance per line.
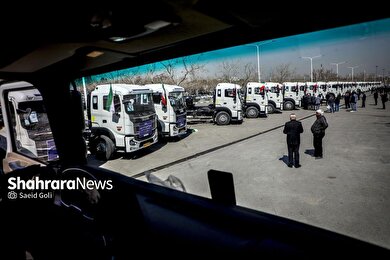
x=122 y=89
x=260 y=84
x=272 y=84
x=228 y=85
x=159 y=87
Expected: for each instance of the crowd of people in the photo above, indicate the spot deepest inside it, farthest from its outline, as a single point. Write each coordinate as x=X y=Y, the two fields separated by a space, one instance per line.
x=293 y=128
x=351 y=100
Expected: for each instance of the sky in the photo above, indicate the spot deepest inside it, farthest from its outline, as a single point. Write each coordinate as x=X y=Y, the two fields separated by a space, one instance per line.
x=365 y=46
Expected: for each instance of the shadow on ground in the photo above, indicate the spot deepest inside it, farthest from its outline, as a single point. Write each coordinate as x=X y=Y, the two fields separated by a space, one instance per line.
x=310 y=152
x=284 y=159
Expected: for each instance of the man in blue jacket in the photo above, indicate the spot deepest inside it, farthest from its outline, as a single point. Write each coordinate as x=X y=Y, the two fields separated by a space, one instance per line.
x=293 y=129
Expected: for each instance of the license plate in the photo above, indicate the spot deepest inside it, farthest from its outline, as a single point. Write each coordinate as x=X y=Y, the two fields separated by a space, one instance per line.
x=146 y=144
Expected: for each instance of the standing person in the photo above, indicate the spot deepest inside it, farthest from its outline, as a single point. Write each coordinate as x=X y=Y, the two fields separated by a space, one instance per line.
x=353 y=101
x=346 y=99
x=305 y=102
x=376 y=97
x=384 y=99
x=293 y=129
x=331 y=102
x=317 y=102
x=318 y=130
x=337 y=102
x=364 y=100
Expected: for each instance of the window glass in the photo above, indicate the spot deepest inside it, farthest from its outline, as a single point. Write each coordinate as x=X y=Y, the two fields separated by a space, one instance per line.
x=230 y=92
x=353 y=57
x=117 y=104
x=31 y=128
x=95 y=102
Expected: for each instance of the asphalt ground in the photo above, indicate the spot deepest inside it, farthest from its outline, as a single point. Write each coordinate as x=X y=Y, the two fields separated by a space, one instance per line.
x=348 y=191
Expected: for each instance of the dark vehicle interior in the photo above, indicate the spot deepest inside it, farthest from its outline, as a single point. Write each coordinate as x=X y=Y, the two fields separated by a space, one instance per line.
x=50 y=49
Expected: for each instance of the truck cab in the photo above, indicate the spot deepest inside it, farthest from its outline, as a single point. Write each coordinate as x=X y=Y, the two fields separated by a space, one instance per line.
x=256 y=101
x=27 y=122
x=312 y=88
x=292 y=97
x=228 y=103
x=123 y=118
x=170 y=108
x=275 y=96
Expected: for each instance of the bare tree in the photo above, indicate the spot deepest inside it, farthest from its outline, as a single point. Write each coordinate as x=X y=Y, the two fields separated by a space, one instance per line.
x=248 y=74
x=229 y=71
x=179 y=70
x=282 y=73
x=322 y=74
x=116 y=76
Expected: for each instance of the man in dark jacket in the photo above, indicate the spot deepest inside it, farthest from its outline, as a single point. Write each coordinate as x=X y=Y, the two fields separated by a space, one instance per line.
x=318 y=130
x=376 y=97
x=384 y=99
x=293 y=129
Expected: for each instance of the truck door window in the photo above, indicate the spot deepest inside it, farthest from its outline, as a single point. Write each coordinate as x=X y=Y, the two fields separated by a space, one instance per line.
x=258 y=91
x=157 y=98
x=117 y=103
x=230 y=93
x=95 y=102
x=250 y=90
x=219 y=93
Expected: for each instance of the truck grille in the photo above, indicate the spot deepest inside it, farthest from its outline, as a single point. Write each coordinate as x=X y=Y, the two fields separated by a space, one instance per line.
x=181 y=120
x=144 y=129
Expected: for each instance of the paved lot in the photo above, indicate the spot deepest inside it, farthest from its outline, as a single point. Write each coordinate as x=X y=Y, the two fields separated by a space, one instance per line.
x=348 y=191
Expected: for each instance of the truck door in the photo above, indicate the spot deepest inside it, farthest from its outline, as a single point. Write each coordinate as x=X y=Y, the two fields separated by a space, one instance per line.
x=114 y=119
x=229 y=100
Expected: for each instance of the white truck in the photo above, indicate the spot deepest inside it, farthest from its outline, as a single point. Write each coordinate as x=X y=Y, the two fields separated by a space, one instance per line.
x=275 y=96
x=227 y=105
x=256 y=100
x=170 y=108
x=292 y=95
x=26 y=121
x=127 y=123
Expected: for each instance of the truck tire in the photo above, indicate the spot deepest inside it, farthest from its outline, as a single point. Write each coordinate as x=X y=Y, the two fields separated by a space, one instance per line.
x=252 y=112
x=288 y=105
x=104 y=148
x=271 y=109
x=222 y=118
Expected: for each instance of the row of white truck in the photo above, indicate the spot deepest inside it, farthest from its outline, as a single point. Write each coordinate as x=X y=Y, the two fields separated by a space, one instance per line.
x=142 y=113
x=123 y=117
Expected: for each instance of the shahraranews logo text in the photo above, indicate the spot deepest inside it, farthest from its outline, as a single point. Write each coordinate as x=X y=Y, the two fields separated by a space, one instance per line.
x=78 y=183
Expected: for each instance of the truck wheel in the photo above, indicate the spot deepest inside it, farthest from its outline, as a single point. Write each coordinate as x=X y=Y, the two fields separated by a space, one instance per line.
x=271 y=108
x=222 y=118
x=252 y=112
x=104 y=148
x=288 y=105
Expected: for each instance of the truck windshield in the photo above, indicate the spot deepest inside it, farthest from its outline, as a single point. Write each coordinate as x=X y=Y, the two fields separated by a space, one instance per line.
x=176 y=99
x=36 y=140
x=138 y=103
